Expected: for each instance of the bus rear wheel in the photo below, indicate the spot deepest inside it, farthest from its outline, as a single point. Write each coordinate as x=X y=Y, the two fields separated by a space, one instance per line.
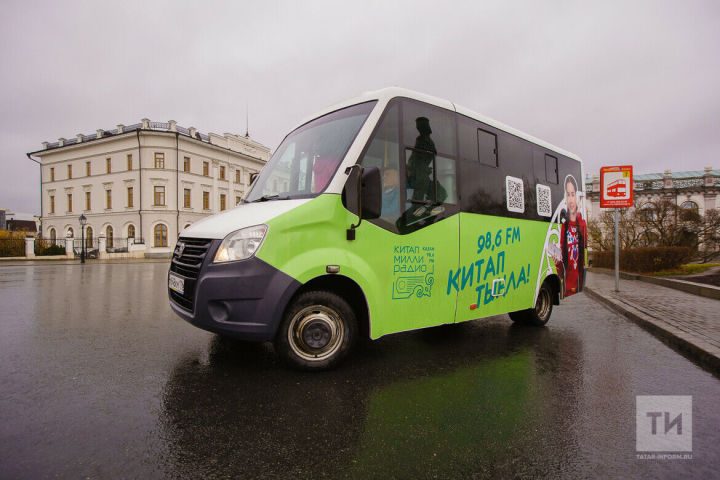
x=539 y=315
x=318 y=330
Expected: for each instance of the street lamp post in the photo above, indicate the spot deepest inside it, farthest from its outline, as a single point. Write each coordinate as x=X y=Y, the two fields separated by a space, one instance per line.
x=83 y=221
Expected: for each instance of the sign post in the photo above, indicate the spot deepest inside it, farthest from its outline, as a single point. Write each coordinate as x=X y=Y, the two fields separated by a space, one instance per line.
x=616 y=190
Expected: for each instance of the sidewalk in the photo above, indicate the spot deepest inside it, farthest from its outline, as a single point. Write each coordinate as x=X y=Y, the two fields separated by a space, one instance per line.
x=688 y=322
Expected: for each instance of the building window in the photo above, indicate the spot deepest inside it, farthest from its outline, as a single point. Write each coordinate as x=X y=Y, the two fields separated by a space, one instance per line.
x=88 y=169
x=53 y=236
x=238 y=176
x=159 y=160
x=108 y=165
x=52 y=174
x=69 y=172
x=186 y=164
x=159 y=196
x=89 y=237
x=87 y=201
x=206 y=200
x=130 y=196
x=186 y=198
x=222 y=173
x=52 y=203
x=109 y=236
x=129 y=161
x=131 y=231
x=689 y=211
x=160 y=235
x=222 y=201
x=108 y=199
x=69 y=201
x=206 y=169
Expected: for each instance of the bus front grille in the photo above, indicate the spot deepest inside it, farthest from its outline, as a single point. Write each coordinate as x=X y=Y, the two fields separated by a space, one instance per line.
x=187 y=260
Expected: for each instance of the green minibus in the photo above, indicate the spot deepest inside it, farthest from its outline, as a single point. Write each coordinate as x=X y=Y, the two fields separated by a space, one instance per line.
x=390 y=212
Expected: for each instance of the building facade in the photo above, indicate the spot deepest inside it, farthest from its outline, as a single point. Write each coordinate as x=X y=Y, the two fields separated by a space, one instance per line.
x=145 y=182
x=697 y=190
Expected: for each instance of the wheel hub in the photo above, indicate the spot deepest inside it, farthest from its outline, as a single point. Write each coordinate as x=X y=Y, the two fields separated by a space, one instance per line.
x=316 y=334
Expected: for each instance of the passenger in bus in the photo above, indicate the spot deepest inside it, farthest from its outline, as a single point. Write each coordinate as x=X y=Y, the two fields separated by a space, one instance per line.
x=390 y=193
x=420 y=166
x=323 y=169
x=572 y=238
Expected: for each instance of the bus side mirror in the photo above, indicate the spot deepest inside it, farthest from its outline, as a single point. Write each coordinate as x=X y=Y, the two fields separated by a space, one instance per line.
x=363 y=194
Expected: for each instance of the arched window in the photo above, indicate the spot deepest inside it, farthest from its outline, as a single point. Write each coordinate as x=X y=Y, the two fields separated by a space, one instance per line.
x=131 y=231
x=70 y=233
x=648 y=212
x=109 y=235
x=53 y=235
x=186 y=226
x=89 y=237
x=160 y=232
x=689 y=211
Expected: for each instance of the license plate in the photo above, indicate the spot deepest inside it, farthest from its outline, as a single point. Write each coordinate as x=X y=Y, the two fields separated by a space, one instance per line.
x=176 y=283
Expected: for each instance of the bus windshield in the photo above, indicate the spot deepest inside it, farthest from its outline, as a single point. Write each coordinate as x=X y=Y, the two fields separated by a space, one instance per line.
x=307 y=159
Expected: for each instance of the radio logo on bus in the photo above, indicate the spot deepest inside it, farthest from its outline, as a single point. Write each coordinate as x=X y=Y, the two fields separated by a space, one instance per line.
x=616 y=186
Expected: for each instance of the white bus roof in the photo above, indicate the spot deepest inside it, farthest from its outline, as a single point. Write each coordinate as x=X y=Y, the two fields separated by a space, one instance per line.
x=384 y=95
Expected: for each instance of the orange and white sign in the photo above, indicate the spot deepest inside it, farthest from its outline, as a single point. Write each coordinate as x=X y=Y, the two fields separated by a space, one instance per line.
x=616 y=187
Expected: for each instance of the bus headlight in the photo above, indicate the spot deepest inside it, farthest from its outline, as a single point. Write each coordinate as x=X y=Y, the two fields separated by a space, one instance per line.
x=241 y=244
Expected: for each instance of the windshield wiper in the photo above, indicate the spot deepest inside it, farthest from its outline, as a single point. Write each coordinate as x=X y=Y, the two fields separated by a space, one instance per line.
x=266 y=198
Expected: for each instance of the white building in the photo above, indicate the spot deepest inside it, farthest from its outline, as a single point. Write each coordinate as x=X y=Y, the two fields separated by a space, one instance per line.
x=146 y=181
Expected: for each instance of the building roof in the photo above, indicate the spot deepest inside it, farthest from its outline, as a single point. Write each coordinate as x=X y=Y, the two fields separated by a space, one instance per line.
x=151 y=126
x=674 y=175
x=22 y=225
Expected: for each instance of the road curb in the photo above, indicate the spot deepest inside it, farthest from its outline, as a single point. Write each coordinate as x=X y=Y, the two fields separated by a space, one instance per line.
x=689 y=345
x=700 y=289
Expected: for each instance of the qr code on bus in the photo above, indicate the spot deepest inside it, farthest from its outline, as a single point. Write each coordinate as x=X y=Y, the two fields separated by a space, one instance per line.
x=515 y=194
x=544 y=200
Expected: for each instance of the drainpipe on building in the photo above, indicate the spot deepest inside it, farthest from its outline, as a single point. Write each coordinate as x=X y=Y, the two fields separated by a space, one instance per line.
x=177 y=184
x=41 y=190
x=140 y=184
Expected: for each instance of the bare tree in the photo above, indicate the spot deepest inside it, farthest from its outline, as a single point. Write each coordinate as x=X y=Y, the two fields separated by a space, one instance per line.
x=602 y=231
x=709 y=236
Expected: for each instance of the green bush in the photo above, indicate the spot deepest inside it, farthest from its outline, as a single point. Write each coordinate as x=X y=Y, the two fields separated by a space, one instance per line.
x=644 y=260
x=12 y=247
x=53 y=250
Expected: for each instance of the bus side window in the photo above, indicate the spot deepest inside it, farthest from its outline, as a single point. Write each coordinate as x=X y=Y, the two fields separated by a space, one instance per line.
x=383 y=153
x=429 y=137
x=487 y=148
x=551 y=168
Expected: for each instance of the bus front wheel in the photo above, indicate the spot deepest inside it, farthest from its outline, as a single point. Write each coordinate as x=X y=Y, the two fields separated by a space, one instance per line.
x=317 y=331
x=539 y=315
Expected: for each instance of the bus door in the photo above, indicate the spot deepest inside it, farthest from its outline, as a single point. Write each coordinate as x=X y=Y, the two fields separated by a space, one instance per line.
x=417 y=241
x=493 y=273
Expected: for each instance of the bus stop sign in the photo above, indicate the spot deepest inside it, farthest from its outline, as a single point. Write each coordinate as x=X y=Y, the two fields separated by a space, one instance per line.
x=616 y=187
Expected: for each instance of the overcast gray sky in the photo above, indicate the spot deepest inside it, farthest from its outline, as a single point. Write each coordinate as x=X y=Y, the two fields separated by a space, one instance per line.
x=615 y=82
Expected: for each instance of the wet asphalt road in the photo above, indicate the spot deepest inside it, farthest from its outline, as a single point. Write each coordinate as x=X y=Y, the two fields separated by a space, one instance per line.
x=99 y=379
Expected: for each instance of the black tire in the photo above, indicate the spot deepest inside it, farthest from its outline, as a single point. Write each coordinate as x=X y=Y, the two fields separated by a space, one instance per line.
x=539 y=315
x=318 y=330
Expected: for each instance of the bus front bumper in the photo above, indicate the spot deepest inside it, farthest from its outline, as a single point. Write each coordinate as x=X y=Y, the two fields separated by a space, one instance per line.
x=244 y=299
